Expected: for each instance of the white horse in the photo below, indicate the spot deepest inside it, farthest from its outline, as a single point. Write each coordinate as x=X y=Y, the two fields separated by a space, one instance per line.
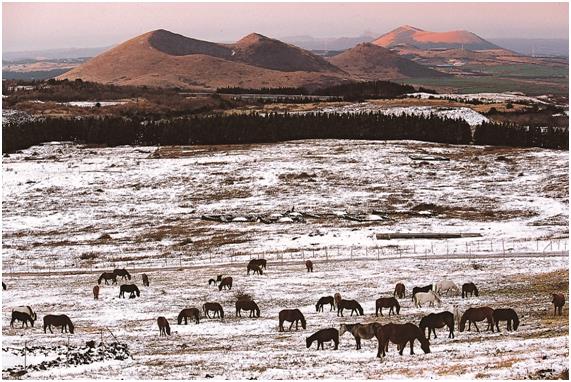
x=457 y=314
x=445 y=286
x=424 y=297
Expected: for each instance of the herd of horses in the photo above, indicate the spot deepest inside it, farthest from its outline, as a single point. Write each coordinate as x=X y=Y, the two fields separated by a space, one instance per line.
x=399 y=334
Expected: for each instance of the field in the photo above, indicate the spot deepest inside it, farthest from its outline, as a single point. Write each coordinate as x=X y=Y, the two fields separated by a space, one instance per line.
x=70 y=212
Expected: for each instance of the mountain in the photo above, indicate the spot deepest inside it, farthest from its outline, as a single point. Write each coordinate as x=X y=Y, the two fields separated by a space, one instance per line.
x=414 y=37
x=371 y=62
x=165 y=59
x=52 y=54
x=327 y=43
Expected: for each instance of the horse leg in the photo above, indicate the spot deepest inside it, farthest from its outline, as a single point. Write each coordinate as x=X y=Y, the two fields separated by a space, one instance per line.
x=411 y=346
x=433 y=331
x=358 y=341
x=478 y=330
x=451 y=334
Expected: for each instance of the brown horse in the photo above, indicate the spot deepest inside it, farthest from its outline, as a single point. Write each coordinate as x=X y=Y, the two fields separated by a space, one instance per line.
x=325 y=300
x=338 y=298
x=258 y=262
x=188 y=312
x=309 y=265
x=247 y=305
x=145 y=279
x=255 y=268
x=225 y=283
x=400 y=334
x=349 y=304
x=213 y=307
x=424 y=289
x=164 y=327
x=107 y=276
x=508 y=315
x=96 y=292
x=558 y=302
x=437 y=320
x=388 y=302
x=58 y=320
x=123 y=273
x=323 y=335
x=293 y=316
x=399 y=290
x=477 y=314
x=469 y=288
x=360 y=331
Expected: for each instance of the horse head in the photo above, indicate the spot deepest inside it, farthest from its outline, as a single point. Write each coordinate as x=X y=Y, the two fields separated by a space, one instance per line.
x=308 y=342
x=424 y=344
x=70 y=325
x=360 y=309
x=137 y=291
x=342 y=329
x=463 y=322
x=476 y=291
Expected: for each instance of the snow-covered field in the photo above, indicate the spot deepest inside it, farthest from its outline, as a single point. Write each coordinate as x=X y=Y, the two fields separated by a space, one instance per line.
x=482 y=97
x=60 y=199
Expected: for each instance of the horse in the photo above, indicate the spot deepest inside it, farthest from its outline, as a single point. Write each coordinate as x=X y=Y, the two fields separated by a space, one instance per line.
x=3 y=285
x=386 y=302
x=558 y=302
x=400 y=334
x=132 y=288
x=107 y=276
x=445 y=286
x=164 y=327
x=425 y=289
x=399 y=290
x=58 y=320
x=24 y=314
x=457 y=315
x=437 y=320
x=247 y=305
x=338 y=298
x=123 y=273
x=96 y=292
x=145 y=279
x=258 y=262
x=360 y=331
x=477 y=314
x=215 y=281
x=349 y=304
x=293 y=316
x=508 y=315
x=325 y=300
x=323 y=335
x=189 y=312
x=213 y=307
x=469 y=288
x=225 y=283
x=256 y=268
x=309 y=265
x=423 y=297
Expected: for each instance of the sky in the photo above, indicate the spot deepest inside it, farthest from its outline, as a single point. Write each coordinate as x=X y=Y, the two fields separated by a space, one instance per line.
x=38 y=26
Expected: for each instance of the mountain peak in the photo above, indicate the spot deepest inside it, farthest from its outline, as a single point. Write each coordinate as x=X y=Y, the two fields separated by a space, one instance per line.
x=253 y=38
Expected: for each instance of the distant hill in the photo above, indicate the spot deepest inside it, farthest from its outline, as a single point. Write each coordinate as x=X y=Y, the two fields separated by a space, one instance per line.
x=53 y=54
x=328 y=43
x=414 y=37
x=372 y=62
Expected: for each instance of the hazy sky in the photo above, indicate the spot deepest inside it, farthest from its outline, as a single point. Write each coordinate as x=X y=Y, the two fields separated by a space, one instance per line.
x=33 y=26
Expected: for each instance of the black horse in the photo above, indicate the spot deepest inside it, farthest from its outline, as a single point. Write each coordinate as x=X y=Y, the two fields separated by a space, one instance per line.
x=255 y=268
x=325 y=300
x=437 y=320
x=225 y=283
x=293 y=316
x=213 y=307
x=247 y=305
x=123 y=273
x=258 y=262
x=58 y=320
x=508 y=315
x=215 y=281
x=107 y=276
x=424 y=289
x=349 y=304
x=189 y=312
x=323 y=335
x=145 y=279
x=24 y=314
x=132 y=288
x=469 y=288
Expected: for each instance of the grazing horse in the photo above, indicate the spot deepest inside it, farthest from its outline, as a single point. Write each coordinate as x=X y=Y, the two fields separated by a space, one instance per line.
x=145 y=279
x=123 y=273
x=256 y=268
x=309 y=265
x=477 y=314
x=164 y=327
x=96 y=292
x=247 y=305
x=258 y=262
x=338 y=298
x=225 y=283
x=58 y=320
x=445 y=286
x=189 y=312
x=323 y=335
x=213 y=307
x=360 y=331
x=107 y=276
x=424 y=297
x=400 y=334
x=399 y=290
x=215 y=281
x=131 y=288
x=387 y=302
x=349 y=304
x=508 y=315
x=558 y=302
x=425 y=289
x=437 y=320
x=24 y=314
x=469 y=288
x=291 y=315
x=325 y=300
